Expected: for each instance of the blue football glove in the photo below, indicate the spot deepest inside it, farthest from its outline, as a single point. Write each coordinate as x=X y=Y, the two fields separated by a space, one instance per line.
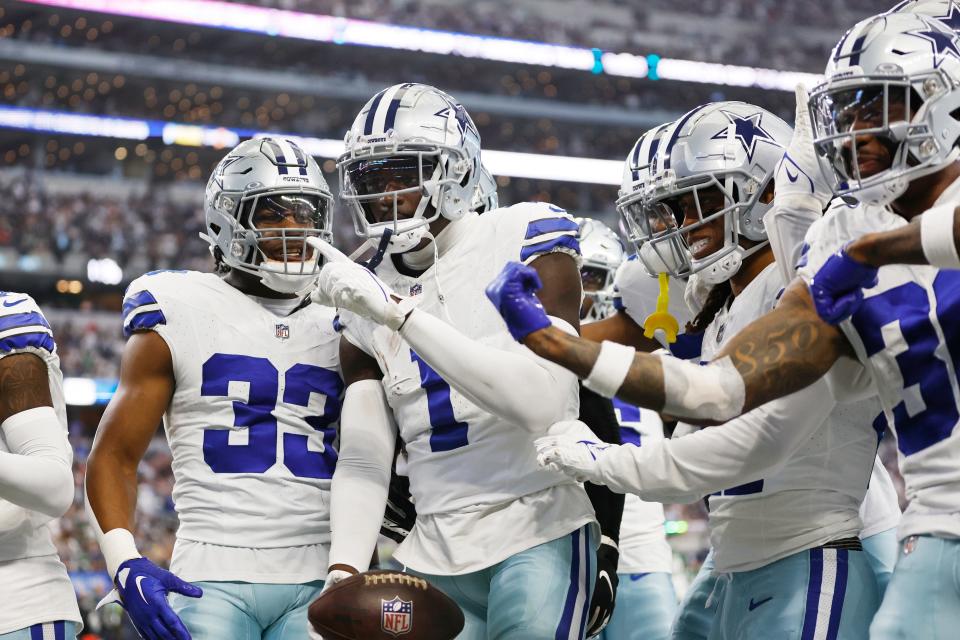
x=512 y=293
x=143 y=588
x=837 y=288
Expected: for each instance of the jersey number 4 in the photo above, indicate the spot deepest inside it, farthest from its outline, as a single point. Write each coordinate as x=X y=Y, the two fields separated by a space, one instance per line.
x=257 y=416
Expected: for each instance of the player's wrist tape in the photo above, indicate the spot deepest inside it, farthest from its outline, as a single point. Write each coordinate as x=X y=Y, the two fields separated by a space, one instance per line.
x=710 y=392
x=936 y=237
x=610 y=369
x=610 y=542
x=118 y=546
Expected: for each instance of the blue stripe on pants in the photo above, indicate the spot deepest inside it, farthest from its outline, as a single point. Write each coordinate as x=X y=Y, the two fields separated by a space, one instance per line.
x=813 y=594
x=586 y=602
x=839 y=591
x=563 y=631
x=36 y=632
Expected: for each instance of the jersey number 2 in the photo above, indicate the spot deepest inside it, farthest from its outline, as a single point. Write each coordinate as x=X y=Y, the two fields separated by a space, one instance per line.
x=257 y=416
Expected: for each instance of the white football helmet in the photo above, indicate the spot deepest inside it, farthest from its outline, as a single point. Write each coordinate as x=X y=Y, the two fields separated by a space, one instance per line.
x=946 y=11
x=268 y=176
x=603 y=253
x=718 y=160
x=409 y=139
x=485 y=196
x=899 y=74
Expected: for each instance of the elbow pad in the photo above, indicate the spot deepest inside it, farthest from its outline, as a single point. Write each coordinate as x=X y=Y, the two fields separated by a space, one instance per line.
x=37 y=473
x=714 y=391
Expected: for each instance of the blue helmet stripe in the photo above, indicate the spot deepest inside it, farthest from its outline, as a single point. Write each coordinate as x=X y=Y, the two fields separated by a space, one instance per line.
x=676 y=134
x=278 y=154
x=856 y=49
x=300 y=156
x=372 y=113
x=391 y=120
x=636 y=158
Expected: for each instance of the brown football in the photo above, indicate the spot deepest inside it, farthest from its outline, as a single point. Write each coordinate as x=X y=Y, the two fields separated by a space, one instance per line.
x=385 y=605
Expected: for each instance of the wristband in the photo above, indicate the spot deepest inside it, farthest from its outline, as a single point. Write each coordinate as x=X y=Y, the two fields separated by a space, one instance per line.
x=610 y=542
x=118 y=546
x=936 y=237
x=610 y=369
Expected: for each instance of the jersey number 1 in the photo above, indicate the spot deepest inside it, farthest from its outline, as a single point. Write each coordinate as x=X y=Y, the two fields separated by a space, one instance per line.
x=448 y=433
x=257 y=416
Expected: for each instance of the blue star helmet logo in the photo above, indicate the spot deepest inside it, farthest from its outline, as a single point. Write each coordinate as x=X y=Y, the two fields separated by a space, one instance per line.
x=952 y=17
x=747 y=130
x=463 y=120
x=943 y=44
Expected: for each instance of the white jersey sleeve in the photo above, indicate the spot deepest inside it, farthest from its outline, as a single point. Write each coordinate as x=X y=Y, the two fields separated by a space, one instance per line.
x=31 y=574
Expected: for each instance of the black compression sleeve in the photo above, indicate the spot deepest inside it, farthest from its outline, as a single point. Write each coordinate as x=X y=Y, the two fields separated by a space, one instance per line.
x=598 y=414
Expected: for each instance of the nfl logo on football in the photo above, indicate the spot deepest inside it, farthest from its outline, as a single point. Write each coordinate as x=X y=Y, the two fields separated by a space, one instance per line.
x=283 y=331
x=397 y=616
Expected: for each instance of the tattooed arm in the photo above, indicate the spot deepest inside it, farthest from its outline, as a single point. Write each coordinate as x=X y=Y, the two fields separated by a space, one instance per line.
x=777 y=354
x=898 y=246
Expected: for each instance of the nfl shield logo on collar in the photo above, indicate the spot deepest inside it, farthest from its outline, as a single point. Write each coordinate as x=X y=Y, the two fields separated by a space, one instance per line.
x=283 y=331
x=396 y=616
x=416 y=289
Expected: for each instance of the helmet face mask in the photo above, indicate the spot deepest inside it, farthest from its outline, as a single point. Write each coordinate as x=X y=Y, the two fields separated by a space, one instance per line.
x=885 y=114
x=429 y=147
x=706 y=191
x=603 y=253
x=259 y=210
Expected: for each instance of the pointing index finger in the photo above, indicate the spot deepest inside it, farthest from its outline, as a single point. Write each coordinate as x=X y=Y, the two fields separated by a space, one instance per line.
x=327 y=250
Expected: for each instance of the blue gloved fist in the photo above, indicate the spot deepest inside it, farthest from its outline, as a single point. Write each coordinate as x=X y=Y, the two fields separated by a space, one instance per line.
x=512 y=293
x=143 y=588
x=837 y=288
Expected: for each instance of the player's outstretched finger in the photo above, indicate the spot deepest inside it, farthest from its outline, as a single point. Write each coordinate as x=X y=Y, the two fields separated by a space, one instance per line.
x=327 y=250
x=803 y=112
x=176 y=585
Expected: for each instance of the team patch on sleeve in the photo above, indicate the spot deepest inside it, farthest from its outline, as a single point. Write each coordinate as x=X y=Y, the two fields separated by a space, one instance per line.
x=548 y=232
x=26 y=329
x=141 y=311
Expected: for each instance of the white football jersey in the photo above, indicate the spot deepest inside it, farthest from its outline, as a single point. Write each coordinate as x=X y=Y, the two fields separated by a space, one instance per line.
x=643 y=540
x=906 y=335
x=253 y=418
x=811 y=499
x=34 y=585
x=460 y=458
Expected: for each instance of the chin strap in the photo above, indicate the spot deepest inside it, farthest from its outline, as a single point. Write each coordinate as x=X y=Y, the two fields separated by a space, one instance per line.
x=381 y=251
x=661 y=319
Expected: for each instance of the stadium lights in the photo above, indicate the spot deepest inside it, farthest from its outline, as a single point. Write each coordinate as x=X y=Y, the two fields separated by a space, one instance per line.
x=500 y=163
x=321 y=28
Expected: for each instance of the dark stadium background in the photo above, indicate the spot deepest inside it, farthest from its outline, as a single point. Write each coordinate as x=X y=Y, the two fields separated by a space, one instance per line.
x=89 y=203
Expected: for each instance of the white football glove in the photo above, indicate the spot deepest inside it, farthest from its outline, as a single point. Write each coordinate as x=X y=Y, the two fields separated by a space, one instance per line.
x=799 y=180
x=347 y=285
x=572 y=456
x=333 y=578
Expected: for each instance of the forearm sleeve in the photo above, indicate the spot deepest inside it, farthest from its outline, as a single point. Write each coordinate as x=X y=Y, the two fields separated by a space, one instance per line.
x=742 y=450
x=786 y=223
x=598 y=413
x=358 y=494
x=499 y=381
x=36 y=473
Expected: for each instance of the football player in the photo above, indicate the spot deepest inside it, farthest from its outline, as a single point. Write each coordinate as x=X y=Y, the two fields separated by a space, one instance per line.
x=243 y=371
x=646 y=600
x=884 y=119
x=784 y=516
x=36 y=479
x=425 y=357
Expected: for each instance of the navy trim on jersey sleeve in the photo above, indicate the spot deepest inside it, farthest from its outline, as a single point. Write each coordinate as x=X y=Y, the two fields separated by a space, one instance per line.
x=687 y=346
x=547 y=235
x=141 y=311
x=23 y=330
